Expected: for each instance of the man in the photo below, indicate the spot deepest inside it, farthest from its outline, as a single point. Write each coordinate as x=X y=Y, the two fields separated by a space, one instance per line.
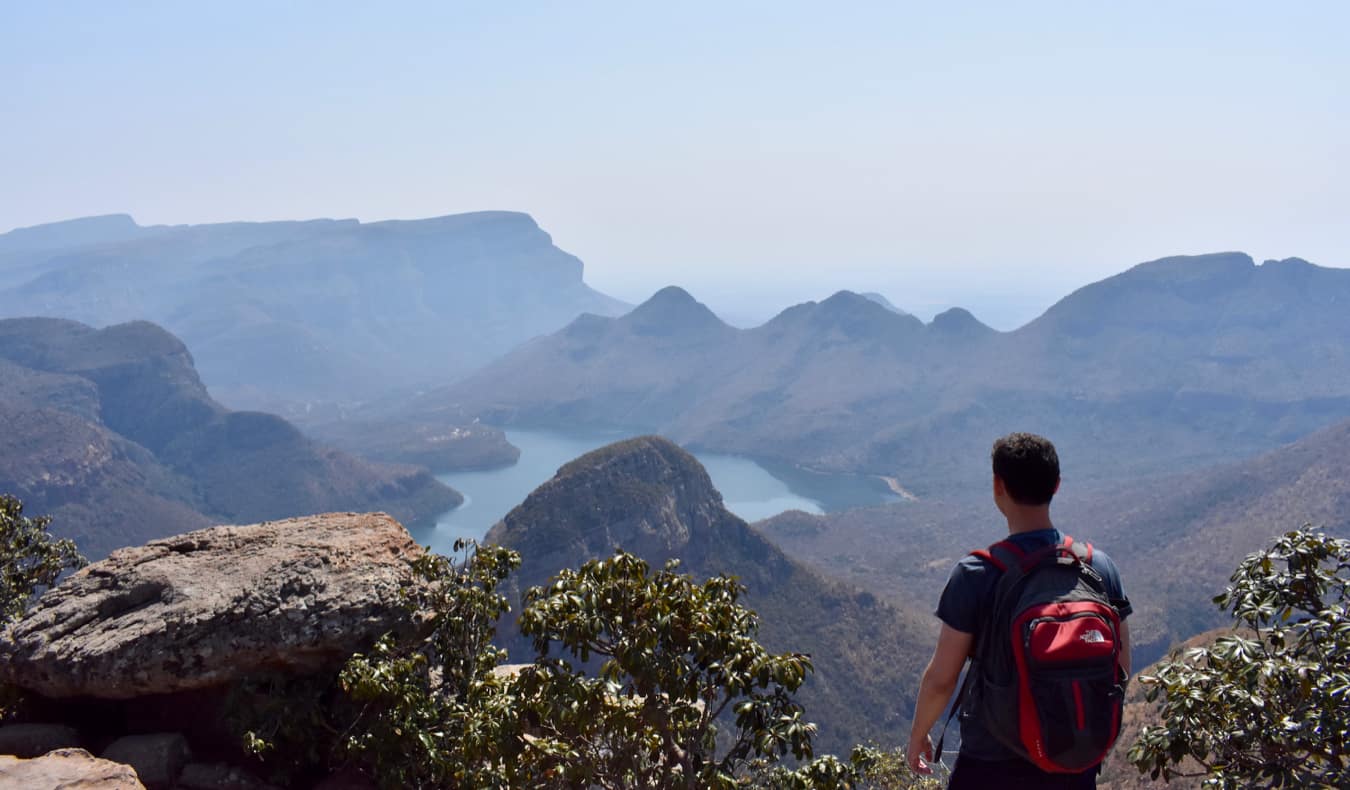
x=1026 y=478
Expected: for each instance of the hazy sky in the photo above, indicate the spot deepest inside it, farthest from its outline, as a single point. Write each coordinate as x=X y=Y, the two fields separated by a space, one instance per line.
x=992 y=155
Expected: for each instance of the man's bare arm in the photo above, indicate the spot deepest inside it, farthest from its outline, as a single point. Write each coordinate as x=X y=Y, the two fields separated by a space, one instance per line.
x=939 y=681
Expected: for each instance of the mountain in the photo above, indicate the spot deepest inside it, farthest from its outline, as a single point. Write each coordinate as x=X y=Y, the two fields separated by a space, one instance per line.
x=1175 y=364
x=1179 y=538
x=305 y=315
x=653 y=499
x=883 y=301
x=1176 y=538
x=112 y=433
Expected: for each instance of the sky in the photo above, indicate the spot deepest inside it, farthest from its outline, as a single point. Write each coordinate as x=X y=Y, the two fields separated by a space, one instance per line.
x=990 y=155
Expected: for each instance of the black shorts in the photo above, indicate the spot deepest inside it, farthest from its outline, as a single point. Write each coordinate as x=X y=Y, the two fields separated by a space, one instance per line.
x=972 y=774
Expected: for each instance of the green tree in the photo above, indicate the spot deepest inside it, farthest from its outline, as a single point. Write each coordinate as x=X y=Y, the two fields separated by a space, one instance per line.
x=640 y=679
x=432 y=712
x=1269 y=705
x=684 y=696
x=30 y=558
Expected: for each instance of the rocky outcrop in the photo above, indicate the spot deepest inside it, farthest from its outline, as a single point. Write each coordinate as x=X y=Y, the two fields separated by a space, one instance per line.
x=158 y=758
x=68 y=769
x=199 y=610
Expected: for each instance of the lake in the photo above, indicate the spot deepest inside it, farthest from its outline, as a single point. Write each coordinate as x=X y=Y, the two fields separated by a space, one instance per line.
x=749 y=489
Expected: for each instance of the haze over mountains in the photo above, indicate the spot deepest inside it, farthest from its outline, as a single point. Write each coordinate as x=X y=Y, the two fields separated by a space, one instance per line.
x=1174 y=364
x=112 y=434
x=1201 y=404
x=292 y=315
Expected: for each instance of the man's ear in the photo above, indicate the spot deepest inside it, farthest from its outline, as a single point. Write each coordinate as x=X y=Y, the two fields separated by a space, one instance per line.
x=1057 y=482
x=999 y=488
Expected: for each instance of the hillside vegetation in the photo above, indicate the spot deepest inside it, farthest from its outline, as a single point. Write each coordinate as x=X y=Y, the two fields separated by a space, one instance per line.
x=112 y=433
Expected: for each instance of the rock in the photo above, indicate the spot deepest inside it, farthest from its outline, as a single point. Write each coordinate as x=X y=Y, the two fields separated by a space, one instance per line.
x=198 y=610
x=219 y=776
x=158 y=758
x=35 y=740
x=67 y=769
x=346 y=779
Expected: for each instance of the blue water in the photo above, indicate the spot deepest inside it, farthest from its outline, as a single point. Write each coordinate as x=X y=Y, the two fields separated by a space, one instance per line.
x=748 y=489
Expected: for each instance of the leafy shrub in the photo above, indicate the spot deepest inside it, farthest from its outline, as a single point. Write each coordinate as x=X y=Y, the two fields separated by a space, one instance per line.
x=421 y=710
x=676 y=655
x=641 y=679
x=30 y=558
x=432 y=713
x=1268 y=705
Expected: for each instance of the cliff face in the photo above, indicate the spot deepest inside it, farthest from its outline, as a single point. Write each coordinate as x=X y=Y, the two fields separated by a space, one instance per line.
x=651 y=498
x=285 y=315
x=204 y=608
x=112 y=433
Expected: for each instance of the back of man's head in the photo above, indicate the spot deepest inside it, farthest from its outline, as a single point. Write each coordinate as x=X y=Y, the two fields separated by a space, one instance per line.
x=1028 y=466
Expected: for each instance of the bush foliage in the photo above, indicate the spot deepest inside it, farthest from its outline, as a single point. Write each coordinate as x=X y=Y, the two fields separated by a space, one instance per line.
x=1268 y=705
x=30 y=558
x=641 y=679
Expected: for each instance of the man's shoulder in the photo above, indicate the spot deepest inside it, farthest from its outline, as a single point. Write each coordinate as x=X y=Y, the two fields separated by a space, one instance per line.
x=1101 y=560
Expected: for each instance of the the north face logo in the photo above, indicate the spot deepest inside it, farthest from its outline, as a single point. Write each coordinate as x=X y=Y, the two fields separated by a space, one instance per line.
x=1093 y=637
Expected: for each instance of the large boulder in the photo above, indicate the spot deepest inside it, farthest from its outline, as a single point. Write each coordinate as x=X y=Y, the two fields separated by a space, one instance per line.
x=68 y=769
x=198 y=610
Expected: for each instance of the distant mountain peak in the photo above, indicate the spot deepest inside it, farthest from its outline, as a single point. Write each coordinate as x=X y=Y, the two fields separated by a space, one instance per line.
x=959 y=321
x=1193 y=267
x=846 y=299
x=99 y=229
x=852 y=313
x=883 y=301
x=456 y=222
x=672 y=310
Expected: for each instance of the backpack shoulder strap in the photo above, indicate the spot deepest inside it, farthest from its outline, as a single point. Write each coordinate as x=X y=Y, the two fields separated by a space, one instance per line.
x=1083 y=551
x=1002 y=555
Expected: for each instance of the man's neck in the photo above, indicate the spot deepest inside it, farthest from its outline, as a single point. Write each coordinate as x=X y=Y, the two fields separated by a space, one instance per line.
x=1032 y=519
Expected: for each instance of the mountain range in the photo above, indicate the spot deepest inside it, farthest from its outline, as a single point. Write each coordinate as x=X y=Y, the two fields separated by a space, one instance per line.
x=112 y=433
x=1174 y=364
x=306 y=317
x=653 y=499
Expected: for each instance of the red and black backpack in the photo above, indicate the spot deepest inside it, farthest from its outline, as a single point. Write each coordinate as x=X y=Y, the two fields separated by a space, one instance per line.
x=1045 y=677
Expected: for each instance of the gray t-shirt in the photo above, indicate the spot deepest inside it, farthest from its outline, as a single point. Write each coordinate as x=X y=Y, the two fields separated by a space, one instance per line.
x=969 y=594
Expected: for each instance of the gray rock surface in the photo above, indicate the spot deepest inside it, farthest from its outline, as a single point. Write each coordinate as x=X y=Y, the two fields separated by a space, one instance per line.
x=35 y=740
x=67 y=769
x=201 y=609
x=158 y=758
x=219 y=776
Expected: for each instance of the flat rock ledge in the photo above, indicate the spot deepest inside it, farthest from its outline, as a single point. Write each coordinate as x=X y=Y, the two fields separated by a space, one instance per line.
x=204 y=608
x=68 y=769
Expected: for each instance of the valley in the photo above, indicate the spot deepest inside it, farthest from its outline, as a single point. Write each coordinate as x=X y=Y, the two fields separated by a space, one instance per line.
x=749 y=490
x=835 y=458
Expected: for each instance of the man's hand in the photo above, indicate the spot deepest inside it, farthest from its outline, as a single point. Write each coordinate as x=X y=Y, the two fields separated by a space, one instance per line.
x=920 y=754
